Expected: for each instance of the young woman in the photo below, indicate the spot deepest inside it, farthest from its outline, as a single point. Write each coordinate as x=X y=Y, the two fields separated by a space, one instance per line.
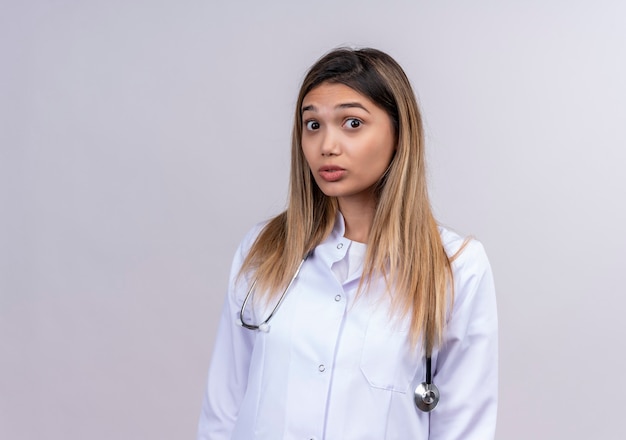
x=346 y=312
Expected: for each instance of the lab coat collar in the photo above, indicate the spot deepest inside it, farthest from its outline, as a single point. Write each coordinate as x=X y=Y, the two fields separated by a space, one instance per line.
x=335 y=246
x=340 y=225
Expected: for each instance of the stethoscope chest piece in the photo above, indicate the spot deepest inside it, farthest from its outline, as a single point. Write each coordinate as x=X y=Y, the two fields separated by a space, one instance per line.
x=426 y=396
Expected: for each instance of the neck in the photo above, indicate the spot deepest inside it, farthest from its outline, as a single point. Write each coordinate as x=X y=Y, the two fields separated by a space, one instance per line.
x=358 y=216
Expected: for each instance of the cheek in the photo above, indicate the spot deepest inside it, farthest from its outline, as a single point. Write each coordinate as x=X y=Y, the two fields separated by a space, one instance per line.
x=305 y=153
x=388 y=148
x=307 y=156
x=380 y=152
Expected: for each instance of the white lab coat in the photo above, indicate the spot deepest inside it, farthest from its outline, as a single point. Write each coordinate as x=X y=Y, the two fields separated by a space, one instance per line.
x=335 y=368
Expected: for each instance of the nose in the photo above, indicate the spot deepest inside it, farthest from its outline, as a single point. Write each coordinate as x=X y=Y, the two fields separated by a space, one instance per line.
x=330 y=145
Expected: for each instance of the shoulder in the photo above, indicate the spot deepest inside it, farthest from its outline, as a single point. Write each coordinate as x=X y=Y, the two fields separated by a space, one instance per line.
x=462 y=250
x=250 y=237
x=468 y=258
x=474 y=290
x=244 y=247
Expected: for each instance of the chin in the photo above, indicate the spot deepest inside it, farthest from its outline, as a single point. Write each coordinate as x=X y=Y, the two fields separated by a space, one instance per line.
x=330 y=193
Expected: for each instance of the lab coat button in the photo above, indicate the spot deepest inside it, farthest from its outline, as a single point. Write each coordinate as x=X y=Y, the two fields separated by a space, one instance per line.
x=340 y=245
x=338 y=298
x=322 y=368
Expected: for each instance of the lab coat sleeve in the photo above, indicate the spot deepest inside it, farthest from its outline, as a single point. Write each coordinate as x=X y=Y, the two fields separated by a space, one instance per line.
x=228 y=371
x=466 y=369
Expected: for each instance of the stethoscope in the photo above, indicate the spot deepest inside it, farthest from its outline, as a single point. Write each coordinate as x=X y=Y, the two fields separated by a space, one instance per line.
x=426 y=394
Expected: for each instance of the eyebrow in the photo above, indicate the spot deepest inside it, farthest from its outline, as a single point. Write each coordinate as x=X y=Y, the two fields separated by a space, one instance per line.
x=339 y=106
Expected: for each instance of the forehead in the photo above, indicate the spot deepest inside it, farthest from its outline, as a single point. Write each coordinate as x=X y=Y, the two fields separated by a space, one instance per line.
x=334 y=93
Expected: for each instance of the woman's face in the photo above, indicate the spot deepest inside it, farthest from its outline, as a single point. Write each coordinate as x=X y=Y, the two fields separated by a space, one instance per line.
x=347 y=140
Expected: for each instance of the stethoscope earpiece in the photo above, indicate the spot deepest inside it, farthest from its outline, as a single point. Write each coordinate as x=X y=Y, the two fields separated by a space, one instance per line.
x=427 y=394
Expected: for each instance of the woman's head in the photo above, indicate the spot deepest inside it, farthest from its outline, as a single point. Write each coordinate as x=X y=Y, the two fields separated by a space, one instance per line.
x=381 y=80
x=348 y=142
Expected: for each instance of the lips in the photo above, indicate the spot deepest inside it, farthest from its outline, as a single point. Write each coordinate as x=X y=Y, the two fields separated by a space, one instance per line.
x=331 y=173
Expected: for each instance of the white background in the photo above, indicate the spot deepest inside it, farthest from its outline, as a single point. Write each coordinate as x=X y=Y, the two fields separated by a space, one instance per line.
x=139 y=140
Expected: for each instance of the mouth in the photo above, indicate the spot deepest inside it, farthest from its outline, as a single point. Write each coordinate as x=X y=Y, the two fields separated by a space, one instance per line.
x=331 y=173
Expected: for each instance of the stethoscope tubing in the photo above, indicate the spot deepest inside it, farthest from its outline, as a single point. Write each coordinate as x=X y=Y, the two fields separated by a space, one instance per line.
x=276 y=307
x=426 y=394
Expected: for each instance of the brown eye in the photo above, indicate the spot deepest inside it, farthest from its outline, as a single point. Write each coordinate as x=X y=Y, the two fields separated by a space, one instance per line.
x=312 y=125
x=353 y=123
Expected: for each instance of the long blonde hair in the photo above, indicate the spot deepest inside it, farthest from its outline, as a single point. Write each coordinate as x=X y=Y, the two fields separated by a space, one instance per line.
x=404 y=243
